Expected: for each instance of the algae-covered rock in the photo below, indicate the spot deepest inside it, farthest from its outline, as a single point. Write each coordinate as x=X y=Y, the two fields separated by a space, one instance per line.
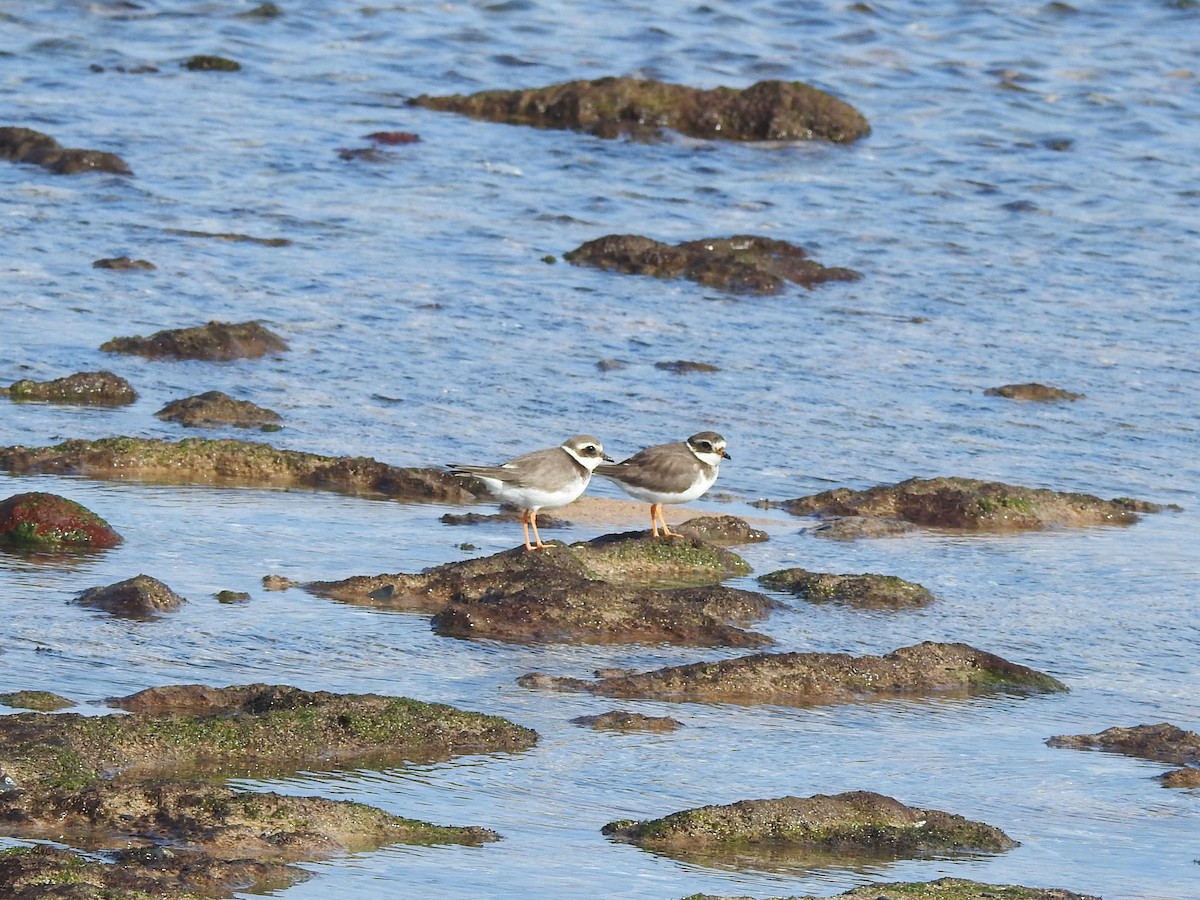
x=42 y=701
x=1040 y=393
x=723 y=530
x=866 y=591
x=861 y=822
x=566 y=594
x=216 y=341
x=808 y=679
x=24 y=145
x=97 y=388
x=941 y=889
x=228 y=462
x=42 y=871
x=217 y=408
x=609 y=107
x=972 y=505
x=620 y=720
x=1163 y=742
x=744 y=264
x=139 y=597
x=39 y=520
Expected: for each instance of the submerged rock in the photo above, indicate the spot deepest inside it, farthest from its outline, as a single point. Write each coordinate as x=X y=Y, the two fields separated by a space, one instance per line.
x=795 y=829
x=943 y=889
x=139 y=597
x=561 y=594
x=973 y=505
x=42 y=701
x=199 y=460
x=744 y=264
x=619 y=720
x=24 y=145
x=123 y=263
x=810 y=679
x=216 y=341
x=39 y=519
x=1033 y=391
x=609 y=107
x=1163 y=742
x=100 y=388
x=217 y=408
x=864 y=591
x=209 y=63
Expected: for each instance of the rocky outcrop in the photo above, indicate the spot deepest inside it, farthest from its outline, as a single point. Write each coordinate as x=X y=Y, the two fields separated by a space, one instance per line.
x=216 y=341
x=139 y=597
x=217 y=408
x=1032 y=391
x=864 y=591
x=38 y=520
x=1163 y=742
x=620 y=720
x=610 y=107
x=101 y=388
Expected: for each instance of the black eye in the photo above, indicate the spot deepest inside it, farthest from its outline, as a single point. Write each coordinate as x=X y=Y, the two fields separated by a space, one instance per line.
x=589 y=450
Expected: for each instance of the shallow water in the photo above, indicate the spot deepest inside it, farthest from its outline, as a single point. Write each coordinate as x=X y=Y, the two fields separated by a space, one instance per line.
x=1025 y=210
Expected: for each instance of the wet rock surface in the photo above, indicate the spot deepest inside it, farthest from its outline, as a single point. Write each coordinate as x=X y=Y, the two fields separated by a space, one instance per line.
x=39 y=519
x=866 y=591
x=810 y=679
x=971 y=505
x=609 y=107
x=722 y=530
x=198 y=460
x=42 y=701
x=123 y=264
x=209 y=63
x=943 y=889
x=24 y=145
x=216 y=341
x=744 y=264
x=110 y=780
x=139 y=597
x=1033 y=391
x=790 y=829
x=217 y=408
x=620 y=720
x=562 y=594
x=101 y=388
x=1163 y=742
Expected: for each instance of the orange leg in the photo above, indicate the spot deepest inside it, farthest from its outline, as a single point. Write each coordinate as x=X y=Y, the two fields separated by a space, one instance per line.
x=656 y=517
x=537 y=537
x=525 y=528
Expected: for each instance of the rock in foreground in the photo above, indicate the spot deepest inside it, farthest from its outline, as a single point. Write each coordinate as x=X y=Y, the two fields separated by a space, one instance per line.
x=42 y=520
x=797 y=830
x=744 y=264
x=610 y=107
x=216 y=341
x=972 y=505
x=863 y=591
x=809 y=679
x=95 y=388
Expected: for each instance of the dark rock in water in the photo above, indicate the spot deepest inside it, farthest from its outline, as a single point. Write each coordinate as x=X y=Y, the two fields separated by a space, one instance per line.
x=203 y=63
x=216 y=408
x=970 y=504
x=864 y=591
x=232 y=596
x=610 y=107
x=861 y=822
x=40 y=519
x=202 y=461
x=1162 y=743
x=1182 y=778
x=24 y=145
x=99 y=388
x=722 y=530
x=392 y=138
x=215 y=341
x=581 y=593
x=810 y=679
x=140 y=597
x=686 y=366
x=744 y=264
x=1032 y=391
x=42 y=701
x=619 y=720
x=123 y=263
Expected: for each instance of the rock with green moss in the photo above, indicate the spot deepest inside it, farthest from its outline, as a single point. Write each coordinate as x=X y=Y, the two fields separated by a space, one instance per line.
x=723 y=530
x=216 y=341
x=809 y=679
x=972 y=505
x=40 y=520
x=42 y=701
x=610 y=107
x=941 y=889
x=1040 y=393
x=621 y=720
x=214 y=408
x=743 y=264
x=228 y=462
x=800 y=830
x=101 y=388
x=863 y=591
x=574 y=595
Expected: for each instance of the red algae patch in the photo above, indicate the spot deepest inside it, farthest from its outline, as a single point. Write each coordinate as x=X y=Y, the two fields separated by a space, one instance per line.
x=39 y=519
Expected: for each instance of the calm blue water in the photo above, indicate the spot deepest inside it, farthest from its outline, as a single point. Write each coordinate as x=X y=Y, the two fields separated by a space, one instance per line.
x=1026 y=209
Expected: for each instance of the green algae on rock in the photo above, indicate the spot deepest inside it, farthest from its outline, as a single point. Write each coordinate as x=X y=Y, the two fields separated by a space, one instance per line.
x=556 y=595
x=865 y=591
x=38 y=519
x=813 y=679
x=743 y=264
x=722 y=530
x=216 y=341
x=1040 y=393
x=217 y=408
x=96 y=388
x=229 y=462
x=42 y=701
x=972 y=505
x=610 y=107
x=941 y=889
x=793 y=828
x=620 y=720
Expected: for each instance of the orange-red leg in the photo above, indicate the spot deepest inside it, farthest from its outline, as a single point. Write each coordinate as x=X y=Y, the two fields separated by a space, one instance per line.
x=537 y=537
x=656 y=516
